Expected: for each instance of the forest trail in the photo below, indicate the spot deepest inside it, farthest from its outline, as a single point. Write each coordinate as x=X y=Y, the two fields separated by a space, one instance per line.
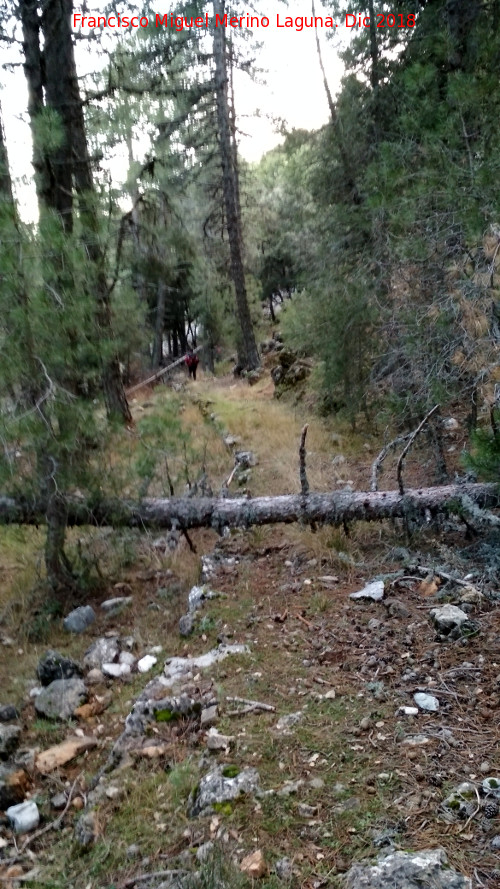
x=343 y=770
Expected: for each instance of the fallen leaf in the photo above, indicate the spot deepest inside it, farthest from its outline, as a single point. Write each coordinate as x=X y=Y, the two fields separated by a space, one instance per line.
x=95 y=708
x=254 y=865
x=59 y=755
x=429 y=586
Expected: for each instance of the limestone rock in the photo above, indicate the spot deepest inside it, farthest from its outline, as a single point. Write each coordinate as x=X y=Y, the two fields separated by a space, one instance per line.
x=448 y=620
x=406 y=870
x=186 y=625
x=145 y=664
x=215 y=788
x=286 y=722
x=116 y=671
x=9 y=739
x=373 y=591
x=102 y=651
x=426 y=702
x=116 y=605
x=80 y=619
x=86 y=830
x=55 y=666
x=24 y=817
x=61 y=698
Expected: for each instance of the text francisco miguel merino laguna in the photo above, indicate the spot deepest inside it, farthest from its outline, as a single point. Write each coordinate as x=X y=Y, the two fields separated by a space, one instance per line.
x=181 y=23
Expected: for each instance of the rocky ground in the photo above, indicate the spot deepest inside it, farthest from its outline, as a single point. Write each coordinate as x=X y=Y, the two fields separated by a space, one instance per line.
x=324 y=713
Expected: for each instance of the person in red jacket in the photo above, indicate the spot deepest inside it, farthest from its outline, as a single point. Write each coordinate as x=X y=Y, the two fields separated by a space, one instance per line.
x=192 y=362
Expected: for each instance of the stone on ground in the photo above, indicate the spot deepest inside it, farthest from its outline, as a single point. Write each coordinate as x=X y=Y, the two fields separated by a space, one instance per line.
x=80 y=619
x=102 y=651
x=24 y=817
x=216 y=788
x=54 y=665
x=9 y=739
x=61 y=698
x=59 y=755
x=407 y=870
x=373 y=591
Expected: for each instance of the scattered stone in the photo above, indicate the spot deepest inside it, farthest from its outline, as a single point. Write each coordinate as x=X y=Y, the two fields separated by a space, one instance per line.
x=408 y=711
x=290 y=787
x=407 y=870
x=113 y=792
x=216 y=788
x=416 y=741
x=102 y=651
x=186 y=625
x=426 y=702
x=286 y=722
x=216 y=742
x=245 y=459
x=61 y=698
x=374 y=623
x=116 y=671
x=491 y=786
x=132 y=851
x=373 y=591
x=116 y=605
x=55 y=666
x=254 y=865
x=198 y=595
x=9 y=739
x=58 y=801
x=145 y=664
x=14 y=785
x=62 y=753
x=449 y=620
x=451 y=424
x=495 y=843
x=8 y=712
x=80 y=619
x=316 y=783
x=94 y=677
x=177 y=667
x=461 y=802
x=24 y=817
x=396 y=608
x=126 y=657
x=86 y=830
x=365 y=723
x=284 y=869
x=209 y=716
x=204 y=852
x=306 y=811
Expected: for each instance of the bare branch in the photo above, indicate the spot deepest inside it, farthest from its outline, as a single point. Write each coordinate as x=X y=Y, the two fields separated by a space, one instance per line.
x=304 y=484
x=405 y=450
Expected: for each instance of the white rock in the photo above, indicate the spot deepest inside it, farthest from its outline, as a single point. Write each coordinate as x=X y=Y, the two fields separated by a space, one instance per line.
x=447 y=617
x=113 y=606
x=373 y=591
x=408 y=711
x=146 y=662
x=24 y=817
x=126 y=657
x=426 y=702
x=492 y=786
x=116 y=670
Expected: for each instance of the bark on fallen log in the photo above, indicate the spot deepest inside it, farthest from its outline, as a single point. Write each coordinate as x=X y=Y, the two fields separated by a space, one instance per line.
x=209 y=512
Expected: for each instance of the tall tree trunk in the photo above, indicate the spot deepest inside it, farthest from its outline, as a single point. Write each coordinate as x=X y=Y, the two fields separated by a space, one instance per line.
x=62 y=94
x=159 y=325
x=248 y=355
x=345 y=156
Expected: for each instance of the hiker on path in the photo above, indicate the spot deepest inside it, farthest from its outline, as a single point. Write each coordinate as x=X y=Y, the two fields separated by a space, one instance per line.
x=192 y=362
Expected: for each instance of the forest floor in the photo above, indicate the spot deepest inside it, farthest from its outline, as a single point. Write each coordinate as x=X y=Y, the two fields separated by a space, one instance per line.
x=353 y=774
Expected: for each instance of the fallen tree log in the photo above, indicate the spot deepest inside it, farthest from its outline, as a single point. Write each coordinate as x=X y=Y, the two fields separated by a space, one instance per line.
x=211 y=512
